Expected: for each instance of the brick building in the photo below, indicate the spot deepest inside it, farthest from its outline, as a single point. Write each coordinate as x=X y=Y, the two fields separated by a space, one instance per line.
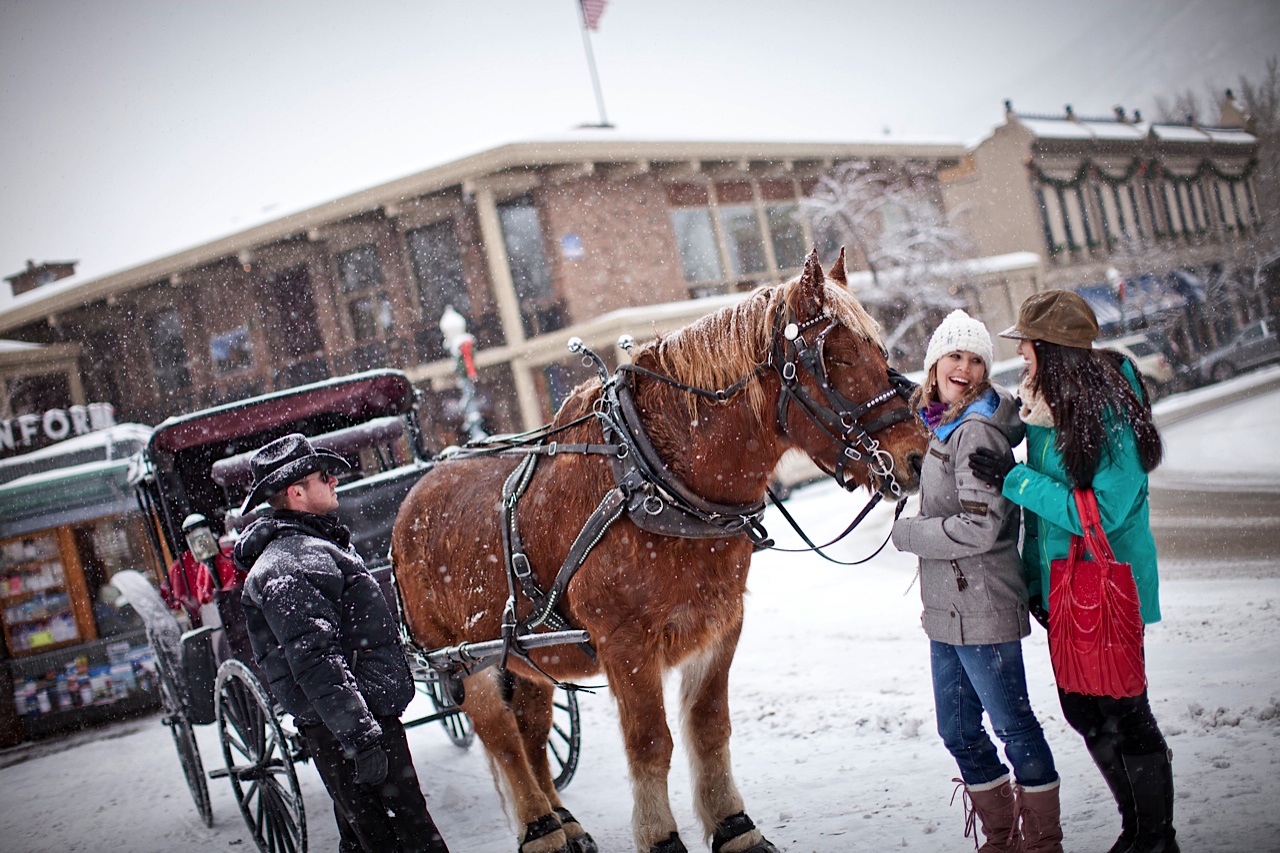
x=527 y=241
x=1169 y=208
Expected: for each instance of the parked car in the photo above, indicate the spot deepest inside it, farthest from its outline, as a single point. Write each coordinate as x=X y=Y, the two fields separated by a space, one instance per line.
x=1008 y=372
x=1253 y=346
x=1152 y=362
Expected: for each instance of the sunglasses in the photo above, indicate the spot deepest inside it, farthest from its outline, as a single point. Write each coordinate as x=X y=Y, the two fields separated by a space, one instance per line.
x=321 y=476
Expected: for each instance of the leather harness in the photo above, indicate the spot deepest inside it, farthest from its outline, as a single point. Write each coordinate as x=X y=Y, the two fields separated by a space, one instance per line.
x=646 y=489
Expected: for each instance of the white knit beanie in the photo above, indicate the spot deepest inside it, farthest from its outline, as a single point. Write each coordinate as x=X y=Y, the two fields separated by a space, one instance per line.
x=958 y=333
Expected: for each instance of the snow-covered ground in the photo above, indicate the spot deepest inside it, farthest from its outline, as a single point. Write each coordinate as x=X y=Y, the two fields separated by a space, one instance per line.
x=834 y=742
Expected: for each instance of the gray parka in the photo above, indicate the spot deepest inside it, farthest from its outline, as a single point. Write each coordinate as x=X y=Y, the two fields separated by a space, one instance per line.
x=320 y=627
x=966 y=535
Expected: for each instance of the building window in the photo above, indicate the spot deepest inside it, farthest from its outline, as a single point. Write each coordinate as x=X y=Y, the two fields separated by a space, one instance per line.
x=298 y=335
x=1169 y=195
x=530 y=273
x=1106 y=213
x=742 y=238
x=437 y=267
x=232 y=351
x=787 y=235
x=1246 y=186
x=359 y=269
x=522 y=235
x=696 y=238
x=1069 y=222
x=1156 y=230
x=1090 y=239
x=371 y=317
x=1241 y=204
x=168 y=352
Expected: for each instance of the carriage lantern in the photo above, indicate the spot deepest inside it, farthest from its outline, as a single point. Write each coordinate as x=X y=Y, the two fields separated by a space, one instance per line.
x=200 y=538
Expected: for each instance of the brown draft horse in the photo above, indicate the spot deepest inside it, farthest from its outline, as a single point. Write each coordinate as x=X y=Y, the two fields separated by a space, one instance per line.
x=650 y=602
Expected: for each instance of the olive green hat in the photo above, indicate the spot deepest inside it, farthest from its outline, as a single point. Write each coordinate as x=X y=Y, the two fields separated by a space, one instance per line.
x=1058 y=316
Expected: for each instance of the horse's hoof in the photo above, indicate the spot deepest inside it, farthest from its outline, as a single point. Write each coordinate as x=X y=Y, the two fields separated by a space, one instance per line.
x=731 y=829
x=763 y=847
x=579 y=840
x=673 y=844
x=584 y=843
x=544 y=835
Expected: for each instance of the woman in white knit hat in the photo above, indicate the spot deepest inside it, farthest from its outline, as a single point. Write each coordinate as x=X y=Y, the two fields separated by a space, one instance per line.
x=975 y=596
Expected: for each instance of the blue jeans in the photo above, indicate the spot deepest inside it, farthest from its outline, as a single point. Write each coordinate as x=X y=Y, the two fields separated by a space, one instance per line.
x=969 y=679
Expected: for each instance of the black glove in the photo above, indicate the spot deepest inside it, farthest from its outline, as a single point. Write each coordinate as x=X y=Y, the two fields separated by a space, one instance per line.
x=1035 y=606
x=991 y=467
x=371 y=765
x=904 y=386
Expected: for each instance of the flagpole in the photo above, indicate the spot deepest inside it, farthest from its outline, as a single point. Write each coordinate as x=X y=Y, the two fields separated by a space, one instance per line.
x=591 y=64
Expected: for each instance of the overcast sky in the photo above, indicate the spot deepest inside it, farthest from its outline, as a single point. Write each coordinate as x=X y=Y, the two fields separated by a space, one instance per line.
x=130 y=130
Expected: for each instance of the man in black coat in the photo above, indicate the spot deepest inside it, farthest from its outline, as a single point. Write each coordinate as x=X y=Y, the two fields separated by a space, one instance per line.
x=330 y=648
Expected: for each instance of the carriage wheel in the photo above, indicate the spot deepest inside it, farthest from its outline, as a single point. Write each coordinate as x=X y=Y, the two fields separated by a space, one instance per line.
x=259 y=762
x=184 y=738
x=457 y=725
x=565 y=738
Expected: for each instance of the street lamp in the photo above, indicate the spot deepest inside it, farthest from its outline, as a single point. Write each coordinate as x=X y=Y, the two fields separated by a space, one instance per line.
x=461 y=344
x=1117 y=284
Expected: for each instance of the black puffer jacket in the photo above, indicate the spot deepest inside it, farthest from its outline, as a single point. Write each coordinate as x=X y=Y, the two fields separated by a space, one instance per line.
x=320 y=627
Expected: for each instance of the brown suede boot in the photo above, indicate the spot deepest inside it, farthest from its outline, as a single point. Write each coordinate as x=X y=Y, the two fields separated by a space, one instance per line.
x=1041 y=816
x=995 y=806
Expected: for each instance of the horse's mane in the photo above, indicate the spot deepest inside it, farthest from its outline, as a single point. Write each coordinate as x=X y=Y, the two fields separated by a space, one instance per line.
x=723 y=347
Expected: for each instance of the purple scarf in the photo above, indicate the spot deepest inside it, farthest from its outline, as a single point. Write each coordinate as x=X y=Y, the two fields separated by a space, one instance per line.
x=933 y=412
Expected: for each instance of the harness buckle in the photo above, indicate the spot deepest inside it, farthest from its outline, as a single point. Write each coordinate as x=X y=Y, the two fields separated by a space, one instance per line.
x=552 y=447
x=520 y=561
x=789 y=371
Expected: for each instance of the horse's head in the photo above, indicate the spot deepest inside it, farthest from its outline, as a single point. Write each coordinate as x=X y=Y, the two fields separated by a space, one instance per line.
x=838 y=401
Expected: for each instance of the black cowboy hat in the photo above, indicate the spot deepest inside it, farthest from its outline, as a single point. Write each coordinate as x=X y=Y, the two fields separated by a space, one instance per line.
x=285 y=461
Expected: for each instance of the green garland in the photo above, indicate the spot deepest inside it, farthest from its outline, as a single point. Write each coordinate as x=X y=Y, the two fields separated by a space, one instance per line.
x=1139 y=166
x=1206 y=166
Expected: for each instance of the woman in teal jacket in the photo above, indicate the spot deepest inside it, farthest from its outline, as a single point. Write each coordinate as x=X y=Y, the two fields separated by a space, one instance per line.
x=1089 y=425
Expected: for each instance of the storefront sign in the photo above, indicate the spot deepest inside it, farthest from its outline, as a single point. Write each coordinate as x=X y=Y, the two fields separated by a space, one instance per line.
x=32 y=431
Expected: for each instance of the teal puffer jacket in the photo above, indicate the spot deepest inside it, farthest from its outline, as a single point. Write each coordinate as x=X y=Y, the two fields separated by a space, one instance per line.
x=1040 y=487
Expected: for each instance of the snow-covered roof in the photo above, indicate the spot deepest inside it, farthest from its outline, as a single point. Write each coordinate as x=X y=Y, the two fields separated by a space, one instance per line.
x=1075 y=128
x=1115 y=129
x=1178 y=133
x=1056 y=128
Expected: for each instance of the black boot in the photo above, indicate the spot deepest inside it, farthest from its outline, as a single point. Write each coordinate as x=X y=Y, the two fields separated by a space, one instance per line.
x=1111 y=766
x=1151 y=778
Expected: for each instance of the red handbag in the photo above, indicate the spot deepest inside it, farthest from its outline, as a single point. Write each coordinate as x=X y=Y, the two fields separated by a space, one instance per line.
x=1095 y=622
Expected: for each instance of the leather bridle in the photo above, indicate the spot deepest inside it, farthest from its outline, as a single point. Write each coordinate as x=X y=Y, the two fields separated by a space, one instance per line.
x=834 y=414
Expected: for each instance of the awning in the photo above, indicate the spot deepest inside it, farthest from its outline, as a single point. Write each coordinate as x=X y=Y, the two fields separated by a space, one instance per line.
x=1145 y=296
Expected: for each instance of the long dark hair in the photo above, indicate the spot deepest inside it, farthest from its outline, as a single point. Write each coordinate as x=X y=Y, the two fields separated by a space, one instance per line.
x=1086 y=388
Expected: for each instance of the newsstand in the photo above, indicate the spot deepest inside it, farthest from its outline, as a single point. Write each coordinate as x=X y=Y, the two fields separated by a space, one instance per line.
x=74 y=652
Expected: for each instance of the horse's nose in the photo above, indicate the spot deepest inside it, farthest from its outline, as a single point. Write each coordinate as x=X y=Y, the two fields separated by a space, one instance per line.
x=915 y=461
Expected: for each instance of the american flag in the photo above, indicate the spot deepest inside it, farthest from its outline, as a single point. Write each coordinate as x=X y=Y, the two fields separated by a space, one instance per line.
x=591 y=12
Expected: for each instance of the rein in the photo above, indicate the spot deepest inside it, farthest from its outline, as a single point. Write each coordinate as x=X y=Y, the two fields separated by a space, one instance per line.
x=653 y=497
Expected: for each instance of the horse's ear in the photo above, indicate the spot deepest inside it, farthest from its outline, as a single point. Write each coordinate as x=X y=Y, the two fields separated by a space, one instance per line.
x=837 y=270
x=810 y=296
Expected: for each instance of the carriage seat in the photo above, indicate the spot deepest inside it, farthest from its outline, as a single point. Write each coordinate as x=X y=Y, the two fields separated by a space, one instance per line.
x=234 y=473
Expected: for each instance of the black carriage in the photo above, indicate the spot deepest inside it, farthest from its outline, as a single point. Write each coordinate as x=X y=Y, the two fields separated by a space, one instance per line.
x=189 y=481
